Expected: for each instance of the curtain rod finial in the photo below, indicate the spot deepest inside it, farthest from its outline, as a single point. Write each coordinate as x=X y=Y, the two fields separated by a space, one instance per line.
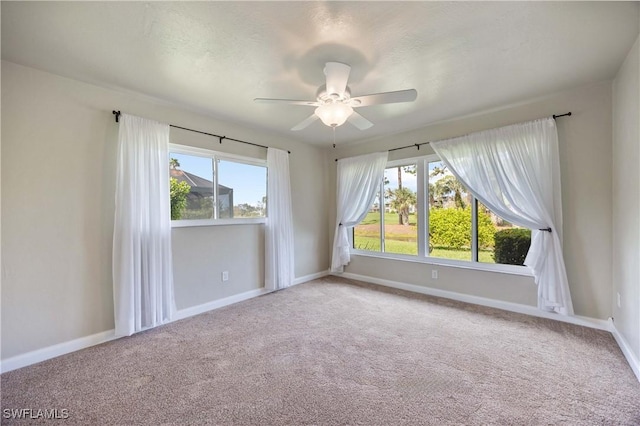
x=117 y=114
x=568 y=114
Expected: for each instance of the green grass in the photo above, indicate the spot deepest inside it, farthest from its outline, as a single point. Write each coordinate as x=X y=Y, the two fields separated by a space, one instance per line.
x=406 y=242
x=371 y=243
x=389 y=219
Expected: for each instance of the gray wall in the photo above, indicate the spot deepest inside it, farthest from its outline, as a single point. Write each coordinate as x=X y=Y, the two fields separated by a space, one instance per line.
x=58 y=183
x=626 y=199
x=585 y=157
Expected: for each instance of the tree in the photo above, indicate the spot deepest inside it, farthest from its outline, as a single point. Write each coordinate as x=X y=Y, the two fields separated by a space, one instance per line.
x=178 y=194
x=262 y=206
x=411 y=169
x=246 y=210
x=174 y=164
x=401 y=199
x=447 y=188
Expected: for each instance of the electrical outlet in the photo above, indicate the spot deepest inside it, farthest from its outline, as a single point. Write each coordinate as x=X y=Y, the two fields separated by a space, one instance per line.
x=434 y=274
x=225 y=275
x=619 y=304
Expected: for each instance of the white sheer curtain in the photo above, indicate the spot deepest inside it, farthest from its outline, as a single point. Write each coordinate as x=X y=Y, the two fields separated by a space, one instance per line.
x=279 y=264
x=142 y=269
x=358 y=181
x=515 y=171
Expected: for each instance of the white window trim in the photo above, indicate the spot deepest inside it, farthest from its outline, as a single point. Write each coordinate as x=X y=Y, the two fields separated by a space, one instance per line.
x=187 y=223
x=423 y=239
x=209 y=153
x=216 y=156
x=463 y=264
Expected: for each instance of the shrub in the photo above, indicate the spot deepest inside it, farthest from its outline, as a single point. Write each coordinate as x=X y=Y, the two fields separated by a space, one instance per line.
x=451 y=228
x=512 y=246
x=486 y=230
x=178 y=193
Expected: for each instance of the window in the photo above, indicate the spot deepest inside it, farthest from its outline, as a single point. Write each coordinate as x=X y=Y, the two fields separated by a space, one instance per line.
x=450 y=205
x=423 y=211
x=500 y=241
x=212 y=188
x=395 y=208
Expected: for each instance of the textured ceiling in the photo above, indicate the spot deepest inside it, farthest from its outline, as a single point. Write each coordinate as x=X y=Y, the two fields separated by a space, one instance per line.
x=215 y=57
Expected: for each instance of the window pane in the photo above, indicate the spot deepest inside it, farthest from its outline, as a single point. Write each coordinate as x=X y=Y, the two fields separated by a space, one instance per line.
x=500 y=241
x=242 y=190
x=366 y=235
x=400 y=224
x=449 y=215
x=191 y=180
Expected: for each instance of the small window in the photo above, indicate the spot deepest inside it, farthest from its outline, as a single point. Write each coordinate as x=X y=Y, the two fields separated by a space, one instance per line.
x=191 y=180
x=209 y=187
x=242 y=190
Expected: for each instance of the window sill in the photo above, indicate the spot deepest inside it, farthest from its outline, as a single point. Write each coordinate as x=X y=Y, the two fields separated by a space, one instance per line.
x=218 y=222
x=477 y=266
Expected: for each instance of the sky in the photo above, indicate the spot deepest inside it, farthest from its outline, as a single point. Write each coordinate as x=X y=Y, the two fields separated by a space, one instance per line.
x=243 y=177
x=249 y=182
x=408 y=180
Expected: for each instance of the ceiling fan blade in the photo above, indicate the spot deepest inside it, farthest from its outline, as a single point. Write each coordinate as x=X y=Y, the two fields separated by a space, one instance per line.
x=305 y=123
x=285 y=101
x=409 y=95
x=359 y=121
x=337 y=77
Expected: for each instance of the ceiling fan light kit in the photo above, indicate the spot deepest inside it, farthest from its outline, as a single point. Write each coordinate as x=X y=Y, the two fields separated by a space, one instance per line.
x=334 y=114
x=334 y=104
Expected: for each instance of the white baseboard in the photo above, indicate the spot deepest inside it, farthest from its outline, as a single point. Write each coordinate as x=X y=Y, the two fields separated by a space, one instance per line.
x=215 y=304
x=632 y=359
x=477 y=300
x=54 y=351
x=310 y=277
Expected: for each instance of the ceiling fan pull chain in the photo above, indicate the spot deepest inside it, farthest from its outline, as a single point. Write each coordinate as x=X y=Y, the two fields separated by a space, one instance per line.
x=334 y=136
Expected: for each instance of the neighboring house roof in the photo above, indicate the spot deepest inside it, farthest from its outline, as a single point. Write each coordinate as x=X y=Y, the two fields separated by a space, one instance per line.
x=197 y=183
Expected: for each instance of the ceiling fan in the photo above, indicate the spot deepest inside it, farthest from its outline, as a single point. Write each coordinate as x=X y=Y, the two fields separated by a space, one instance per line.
x=334 y=104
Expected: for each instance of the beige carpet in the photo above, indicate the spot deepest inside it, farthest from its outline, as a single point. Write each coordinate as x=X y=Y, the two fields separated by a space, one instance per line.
x=333 y=352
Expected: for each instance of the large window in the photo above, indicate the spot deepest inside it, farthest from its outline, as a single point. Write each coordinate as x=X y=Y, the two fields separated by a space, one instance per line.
x=422 y=210
x=210 y=188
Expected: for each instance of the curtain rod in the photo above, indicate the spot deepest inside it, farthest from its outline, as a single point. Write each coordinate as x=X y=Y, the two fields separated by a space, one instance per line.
x=220 y=138
x=418 y=145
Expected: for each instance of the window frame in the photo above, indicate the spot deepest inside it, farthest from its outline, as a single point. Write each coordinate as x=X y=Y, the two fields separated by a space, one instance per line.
x=215 y=157
x=423 y=228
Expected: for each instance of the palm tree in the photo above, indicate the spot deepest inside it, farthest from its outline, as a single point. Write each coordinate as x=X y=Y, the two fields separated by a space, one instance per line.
x=401 y=199
x=174 y=163
x=449 y=187
x=411 y=169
